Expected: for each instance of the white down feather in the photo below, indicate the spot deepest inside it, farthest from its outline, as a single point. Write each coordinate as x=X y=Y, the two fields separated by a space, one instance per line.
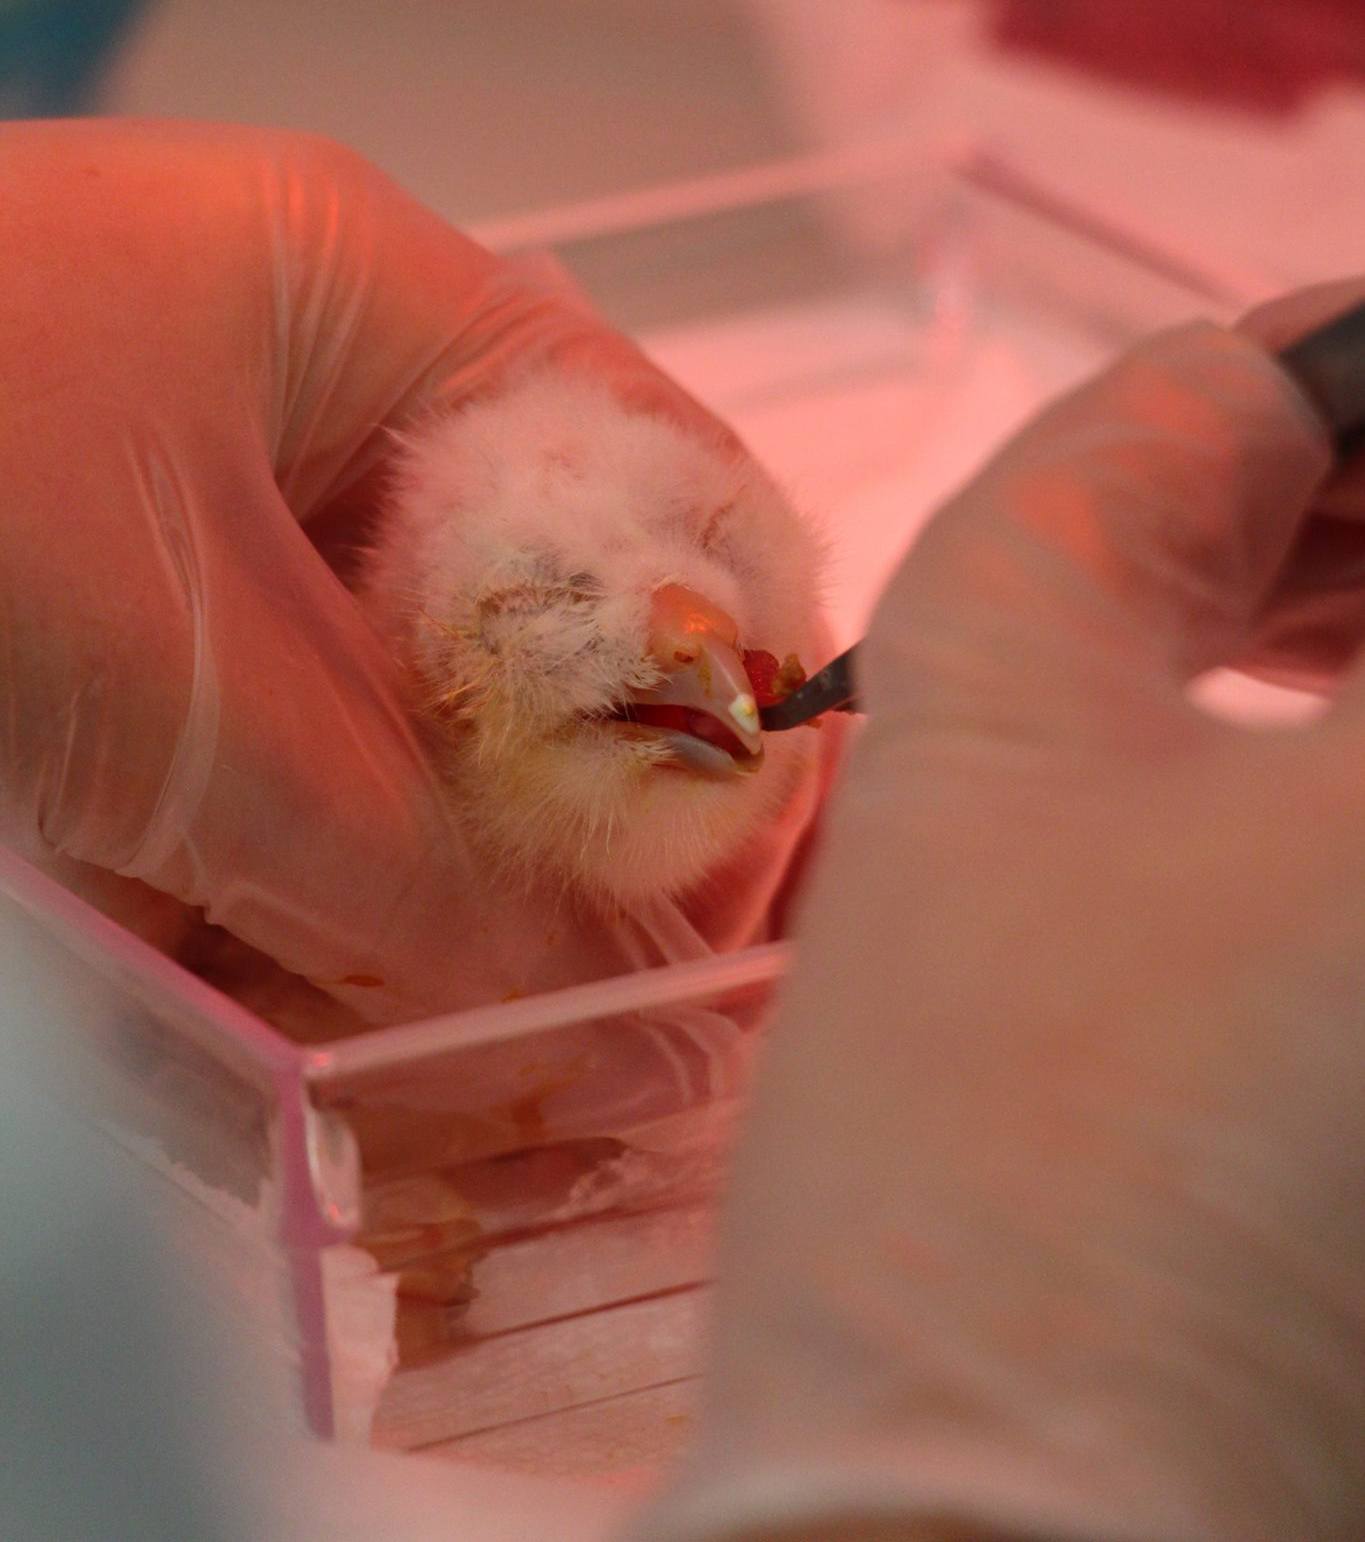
x=512 y=575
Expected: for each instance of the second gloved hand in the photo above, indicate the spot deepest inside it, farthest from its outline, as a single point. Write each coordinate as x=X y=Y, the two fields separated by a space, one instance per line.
x=1048 y=1218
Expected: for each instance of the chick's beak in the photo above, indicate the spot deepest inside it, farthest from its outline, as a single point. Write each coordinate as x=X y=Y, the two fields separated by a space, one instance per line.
x=695 y=644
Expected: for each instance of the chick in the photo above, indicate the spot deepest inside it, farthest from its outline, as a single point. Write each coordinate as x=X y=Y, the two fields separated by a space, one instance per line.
x=571 y=585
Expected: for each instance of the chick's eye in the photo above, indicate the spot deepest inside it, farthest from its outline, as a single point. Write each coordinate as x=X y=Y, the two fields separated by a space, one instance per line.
x=583 y=582
x=713 y=524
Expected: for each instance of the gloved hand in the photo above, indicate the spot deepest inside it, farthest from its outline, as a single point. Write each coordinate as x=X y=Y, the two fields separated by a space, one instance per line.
x=208 y=336
x=1048 y=1217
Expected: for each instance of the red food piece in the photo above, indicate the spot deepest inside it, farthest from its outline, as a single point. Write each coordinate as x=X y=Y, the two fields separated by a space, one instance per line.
x=772 y=682
x=761 y=669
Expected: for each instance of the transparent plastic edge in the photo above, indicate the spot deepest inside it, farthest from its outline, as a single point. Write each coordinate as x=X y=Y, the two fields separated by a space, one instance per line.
x=216 y=1022
x=669 y=985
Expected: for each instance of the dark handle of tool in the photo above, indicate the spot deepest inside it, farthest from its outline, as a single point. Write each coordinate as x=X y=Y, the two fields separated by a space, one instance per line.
x=1328 y=366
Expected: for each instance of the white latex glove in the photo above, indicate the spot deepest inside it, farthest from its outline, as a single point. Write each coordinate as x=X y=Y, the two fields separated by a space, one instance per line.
x=1049 y=1214
x=206 y=336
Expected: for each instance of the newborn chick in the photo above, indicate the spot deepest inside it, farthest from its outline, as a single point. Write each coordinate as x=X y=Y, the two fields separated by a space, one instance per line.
x=570 y=585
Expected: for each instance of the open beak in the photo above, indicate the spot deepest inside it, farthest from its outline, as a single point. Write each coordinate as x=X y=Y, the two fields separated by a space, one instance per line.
x=704 y=707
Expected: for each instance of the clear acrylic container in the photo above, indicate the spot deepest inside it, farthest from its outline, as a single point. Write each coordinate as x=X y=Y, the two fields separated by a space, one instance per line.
x=490 y=1231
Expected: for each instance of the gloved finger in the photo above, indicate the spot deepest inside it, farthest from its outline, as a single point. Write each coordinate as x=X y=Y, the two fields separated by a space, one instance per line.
x=1134 y=530
x=1285 y=321
x=391 y=312
x=1313 y=621
x=1280 y=322
x=296 y=280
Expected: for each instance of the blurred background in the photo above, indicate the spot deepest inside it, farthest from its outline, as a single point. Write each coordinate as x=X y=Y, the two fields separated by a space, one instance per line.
x=1233 y=121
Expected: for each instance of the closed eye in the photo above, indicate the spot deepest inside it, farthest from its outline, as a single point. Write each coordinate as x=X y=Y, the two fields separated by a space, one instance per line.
x=580 y=589
x=714 y=525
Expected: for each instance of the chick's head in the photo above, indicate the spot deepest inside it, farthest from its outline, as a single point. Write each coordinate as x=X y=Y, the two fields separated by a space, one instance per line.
x=571 y=584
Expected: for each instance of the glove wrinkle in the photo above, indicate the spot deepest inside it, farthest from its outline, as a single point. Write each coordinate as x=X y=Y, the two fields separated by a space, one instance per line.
x=167 y=499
